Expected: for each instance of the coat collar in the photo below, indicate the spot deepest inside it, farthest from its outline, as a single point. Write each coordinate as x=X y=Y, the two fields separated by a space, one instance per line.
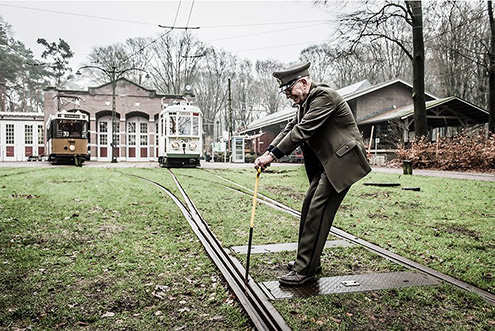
x=311 y=91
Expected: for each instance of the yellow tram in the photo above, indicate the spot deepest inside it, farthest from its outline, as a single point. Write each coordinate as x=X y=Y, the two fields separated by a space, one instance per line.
x=180 y=133
x=67 y=137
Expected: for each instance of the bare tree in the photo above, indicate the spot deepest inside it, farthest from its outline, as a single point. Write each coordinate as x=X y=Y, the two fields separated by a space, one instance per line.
x=321 y=58
x=140 y=56
x=491 y=71
x=177 y=61
x=243 y=94
x=211 y=85
x=371 y=23
x=461 y=50
x=102 y=61
x=269 y=97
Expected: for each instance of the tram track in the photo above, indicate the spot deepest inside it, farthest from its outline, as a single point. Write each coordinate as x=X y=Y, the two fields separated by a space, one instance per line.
x=252 y=298
x=371 y=247
x=250 y=295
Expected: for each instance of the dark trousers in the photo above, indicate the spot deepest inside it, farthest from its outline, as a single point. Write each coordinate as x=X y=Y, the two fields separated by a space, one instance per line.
x=318 y=211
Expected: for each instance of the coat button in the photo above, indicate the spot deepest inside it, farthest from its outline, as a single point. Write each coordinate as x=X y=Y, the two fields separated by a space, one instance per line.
x=346 y=146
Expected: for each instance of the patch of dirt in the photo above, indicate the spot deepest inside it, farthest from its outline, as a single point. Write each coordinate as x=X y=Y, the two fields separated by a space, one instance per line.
x=279 y=171
x=377 y=215
x=67 y=181
x=23 y=196
x=455 y=229
x=376 y=194
x=109 y=230
x=282 y=191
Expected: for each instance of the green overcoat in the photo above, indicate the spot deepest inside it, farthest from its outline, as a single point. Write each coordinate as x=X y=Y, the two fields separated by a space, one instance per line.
x=326 y=129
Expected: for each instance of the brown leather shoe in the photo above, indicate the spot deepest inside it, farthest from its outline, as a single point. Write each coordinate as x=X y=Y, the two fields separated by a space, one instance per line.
x=290 y=266
x=293 y=279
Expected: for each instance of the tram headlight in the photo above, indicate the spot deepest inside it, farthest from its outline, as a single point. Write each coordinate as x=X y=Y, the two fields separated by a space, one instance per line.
x=192 y=146
x=175 y=145
x=72 y=148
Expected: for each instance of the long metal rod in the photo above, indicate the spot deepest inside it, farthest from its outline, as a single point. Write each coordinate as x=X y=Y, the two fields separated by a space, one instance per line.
x=378 y=250
x=251 y=224
x=263 y=315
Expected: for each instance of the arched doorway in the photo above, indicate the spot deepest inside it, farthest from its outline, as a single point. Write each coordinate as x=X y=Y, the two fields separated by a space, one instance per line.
x=137 y=129
x=104 y=138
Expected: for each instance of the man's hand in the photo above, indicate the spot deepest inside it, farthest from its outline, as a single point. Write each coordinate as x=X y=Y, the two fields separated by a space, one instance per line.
x=263 y=161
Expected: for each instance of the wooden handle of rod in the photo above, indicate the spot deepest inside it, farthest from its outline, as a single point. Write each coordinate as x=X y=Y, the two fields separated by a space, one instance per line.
x=251 y=224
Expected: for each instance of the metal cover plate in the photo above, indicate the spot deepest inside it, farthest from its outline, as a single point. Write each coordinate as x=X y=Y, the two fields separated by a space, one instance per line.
x=259 y=249
x=332 y=285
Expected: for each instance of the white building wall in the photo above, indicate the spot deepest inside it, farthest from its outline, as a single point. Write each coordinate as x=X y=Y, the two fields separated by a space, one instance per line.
x=13 y=147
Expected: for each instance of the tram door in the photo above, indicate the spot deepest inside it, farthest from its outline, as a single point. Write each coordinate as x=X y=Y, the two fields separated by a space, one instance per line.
x=138 y=139
x=8 y=149
x=238 y=149
x=105 y=139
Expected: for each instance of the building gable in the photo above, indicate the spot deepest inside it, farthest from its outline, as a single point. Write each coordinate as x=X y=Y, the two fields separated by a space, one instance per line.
x=123 y=87
x=382 y=97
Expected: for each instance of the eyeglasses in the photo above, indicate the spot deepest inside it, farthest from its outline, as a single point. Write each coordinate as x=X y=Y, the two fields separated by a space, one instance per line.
x=288 y=89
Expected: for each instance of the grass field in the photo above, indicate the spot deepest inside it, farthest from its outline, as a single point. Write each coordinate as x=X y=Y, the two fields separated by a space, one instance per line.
x=96 y=249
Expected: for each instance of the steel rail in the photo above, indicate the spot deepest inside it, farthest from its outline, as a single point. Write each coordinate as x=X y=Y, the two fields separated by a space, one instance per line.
x=29 y=170
x=377 y=249
x=254 y=301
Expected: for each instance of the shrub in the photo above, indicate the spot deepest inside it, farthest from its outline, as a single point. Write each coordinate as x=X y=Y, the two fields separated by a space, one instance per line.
x=249 y=158
x=221 y=157
x=462 y=152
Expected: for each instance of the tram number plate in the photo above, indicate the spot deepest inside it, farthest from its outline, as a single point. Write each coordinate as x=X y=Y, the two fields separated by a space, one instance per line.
x=350 y=283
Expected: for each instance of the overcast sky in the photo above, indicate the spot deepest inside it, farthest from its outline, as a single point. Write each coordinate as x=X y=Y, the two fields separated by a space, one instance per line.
x=256 y=30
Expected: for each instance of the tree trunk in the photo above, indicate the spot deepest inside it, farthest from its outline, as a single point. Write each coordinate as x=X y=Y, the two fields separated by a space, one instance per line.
x=418 y=61
x=2 y=96
x=491 y=72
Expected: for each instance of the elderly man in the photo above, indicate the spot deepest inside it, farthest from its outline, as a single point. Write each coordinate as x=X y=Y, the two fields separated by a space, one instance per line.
x=334 y=157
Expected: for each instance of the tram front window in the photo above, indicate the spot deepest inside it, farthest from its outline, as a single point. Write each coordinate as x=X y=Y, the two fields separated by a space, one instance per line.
x=70 y=129
x=172 y=126
x=185 y=125
x=195 y=125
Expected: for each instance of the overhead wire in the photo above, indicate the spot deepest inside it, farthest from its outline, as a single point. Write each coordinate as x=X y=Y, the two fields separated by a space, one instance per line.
x=266 y=32
x=259 y=24
x=154 y=24
x=147 y=45
x=279 y=46
x=177 y=13
x=163 y=35
x=75 y=14
x=314 y=23
x=190 y=13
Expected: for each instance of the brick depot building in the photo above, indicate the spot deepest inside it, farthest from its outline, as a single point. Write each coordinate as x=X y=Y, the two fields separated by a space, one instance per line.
x=137 y=110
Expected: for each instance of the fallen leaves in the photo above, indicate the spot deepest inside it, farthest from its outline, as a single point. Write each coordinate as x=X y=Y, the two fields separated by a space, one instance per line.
x=216 y=318
x=160 y=291
x=108 y=314
x=230 y=299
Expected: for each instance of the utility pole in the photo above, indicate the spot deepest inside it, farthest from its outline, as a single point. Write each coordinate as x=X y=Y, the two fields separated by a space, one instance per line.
x=114 y=118
x=230 y=118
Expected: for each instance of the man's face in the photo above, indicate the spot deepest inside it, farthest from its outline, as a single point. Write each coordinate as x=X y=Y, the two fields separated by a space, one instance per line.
x=297 y=92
